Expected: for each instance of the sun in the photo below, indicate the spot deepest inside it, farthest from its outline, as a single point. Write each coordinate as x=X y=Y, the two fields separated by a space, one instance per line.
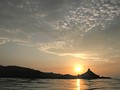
x=78 y=69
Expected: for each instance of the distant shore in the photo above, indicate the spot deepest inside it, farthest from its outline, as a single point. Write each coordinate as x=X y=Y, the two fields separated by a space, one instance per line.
x=23 y=72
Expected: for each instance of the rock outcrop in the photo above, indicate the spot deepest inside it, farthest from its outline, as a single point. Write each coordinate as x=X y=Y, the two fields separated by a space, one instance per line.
x=89 y=75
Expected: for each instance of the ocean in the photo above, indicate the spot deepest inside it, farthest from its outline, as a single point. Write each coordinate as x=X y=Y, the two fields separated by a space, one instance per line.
x=59 y=84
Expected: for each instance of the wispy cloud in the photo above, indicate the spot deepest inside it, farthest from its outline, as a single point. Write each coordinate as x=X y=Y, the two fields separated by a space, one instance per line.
x=3 y=40
x=16 y=36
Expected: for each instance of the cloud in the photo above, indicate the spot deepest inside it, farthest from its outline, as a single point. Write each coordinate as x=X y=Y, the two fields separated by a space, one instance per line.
x=3 y=40
x=63 y=27
x=16 y=36
x=83 y=56
x=83 y=29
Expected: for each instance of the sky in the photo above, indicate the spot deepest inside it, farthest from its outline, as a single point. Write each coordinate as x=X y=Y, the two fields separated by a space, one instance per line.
x=57 y=35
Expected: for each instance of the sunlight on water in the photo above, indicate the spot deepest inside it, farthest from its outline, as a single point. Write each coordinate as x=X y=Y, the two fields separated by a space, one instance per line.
x=82 y=84
x=78 y=84
x=59 y=84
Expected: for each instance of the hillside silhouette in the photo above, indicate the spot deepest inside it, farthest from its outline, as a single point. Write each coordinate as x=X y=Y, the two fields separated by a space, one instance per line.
x=23 y=72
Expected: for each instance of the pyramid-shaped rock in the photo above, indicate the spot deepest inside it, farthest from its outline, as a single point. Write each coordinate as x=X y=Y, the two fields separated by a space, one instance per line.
x=89 y=75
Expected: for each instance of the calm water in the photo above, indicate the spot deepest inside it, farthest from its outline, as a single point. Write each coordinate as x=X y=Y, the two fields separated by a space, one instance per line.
x=59 y=84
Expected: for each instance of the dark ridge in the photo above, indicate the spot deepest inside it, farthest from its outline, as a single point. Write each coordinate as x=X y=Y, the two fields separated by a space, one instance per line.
x=23 y=72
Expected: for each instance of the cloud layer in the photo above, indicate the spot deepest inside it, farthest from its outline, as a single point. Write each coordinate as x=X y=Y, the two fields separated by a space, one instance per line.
x=86 y=29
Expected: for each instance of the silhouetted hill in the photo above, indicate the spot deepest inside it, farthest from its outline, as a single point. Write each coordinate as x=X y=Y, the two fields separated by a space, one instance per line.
x=91 y=75
x=23 y=72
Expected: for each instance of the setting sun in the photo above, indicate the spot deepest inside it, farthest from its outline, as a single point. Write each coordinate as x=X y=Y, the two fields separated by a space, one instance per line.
x=78 y=69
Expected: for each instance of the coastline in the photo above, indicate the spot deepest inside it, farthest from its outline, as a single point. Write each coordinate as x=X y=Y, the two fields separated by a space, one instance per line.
x=23 y=72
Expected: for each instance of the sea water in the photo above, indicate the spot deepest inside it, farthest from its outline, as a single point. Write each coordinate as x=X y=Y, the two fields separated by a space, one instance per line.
x=59 y=84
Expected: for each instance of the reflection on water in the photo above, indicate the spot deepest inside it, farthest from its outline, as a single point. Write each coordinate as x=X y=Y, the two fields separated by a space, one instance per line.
x=59 y=84
x=82 y=84
x=98 y=84
x=78 y=84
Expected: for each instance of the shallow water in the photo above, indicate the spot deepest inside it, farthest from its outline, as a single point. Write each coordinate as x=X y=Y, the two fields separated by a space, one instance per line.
x=59 y=84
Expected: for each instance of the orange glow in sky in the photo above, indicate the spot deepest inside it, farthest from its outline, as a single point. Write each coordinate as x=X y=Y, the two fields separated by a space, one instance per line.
x=78 y=69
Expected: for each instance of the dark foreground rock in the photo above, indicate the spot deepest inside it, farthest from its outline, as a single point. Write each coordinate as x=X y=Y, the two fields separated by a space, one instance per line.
x=22 y=72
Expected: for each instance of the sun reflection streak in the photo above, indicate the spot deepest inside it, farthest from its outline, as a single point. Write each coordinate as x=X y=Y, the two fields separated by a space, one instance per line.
x=78 y=84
